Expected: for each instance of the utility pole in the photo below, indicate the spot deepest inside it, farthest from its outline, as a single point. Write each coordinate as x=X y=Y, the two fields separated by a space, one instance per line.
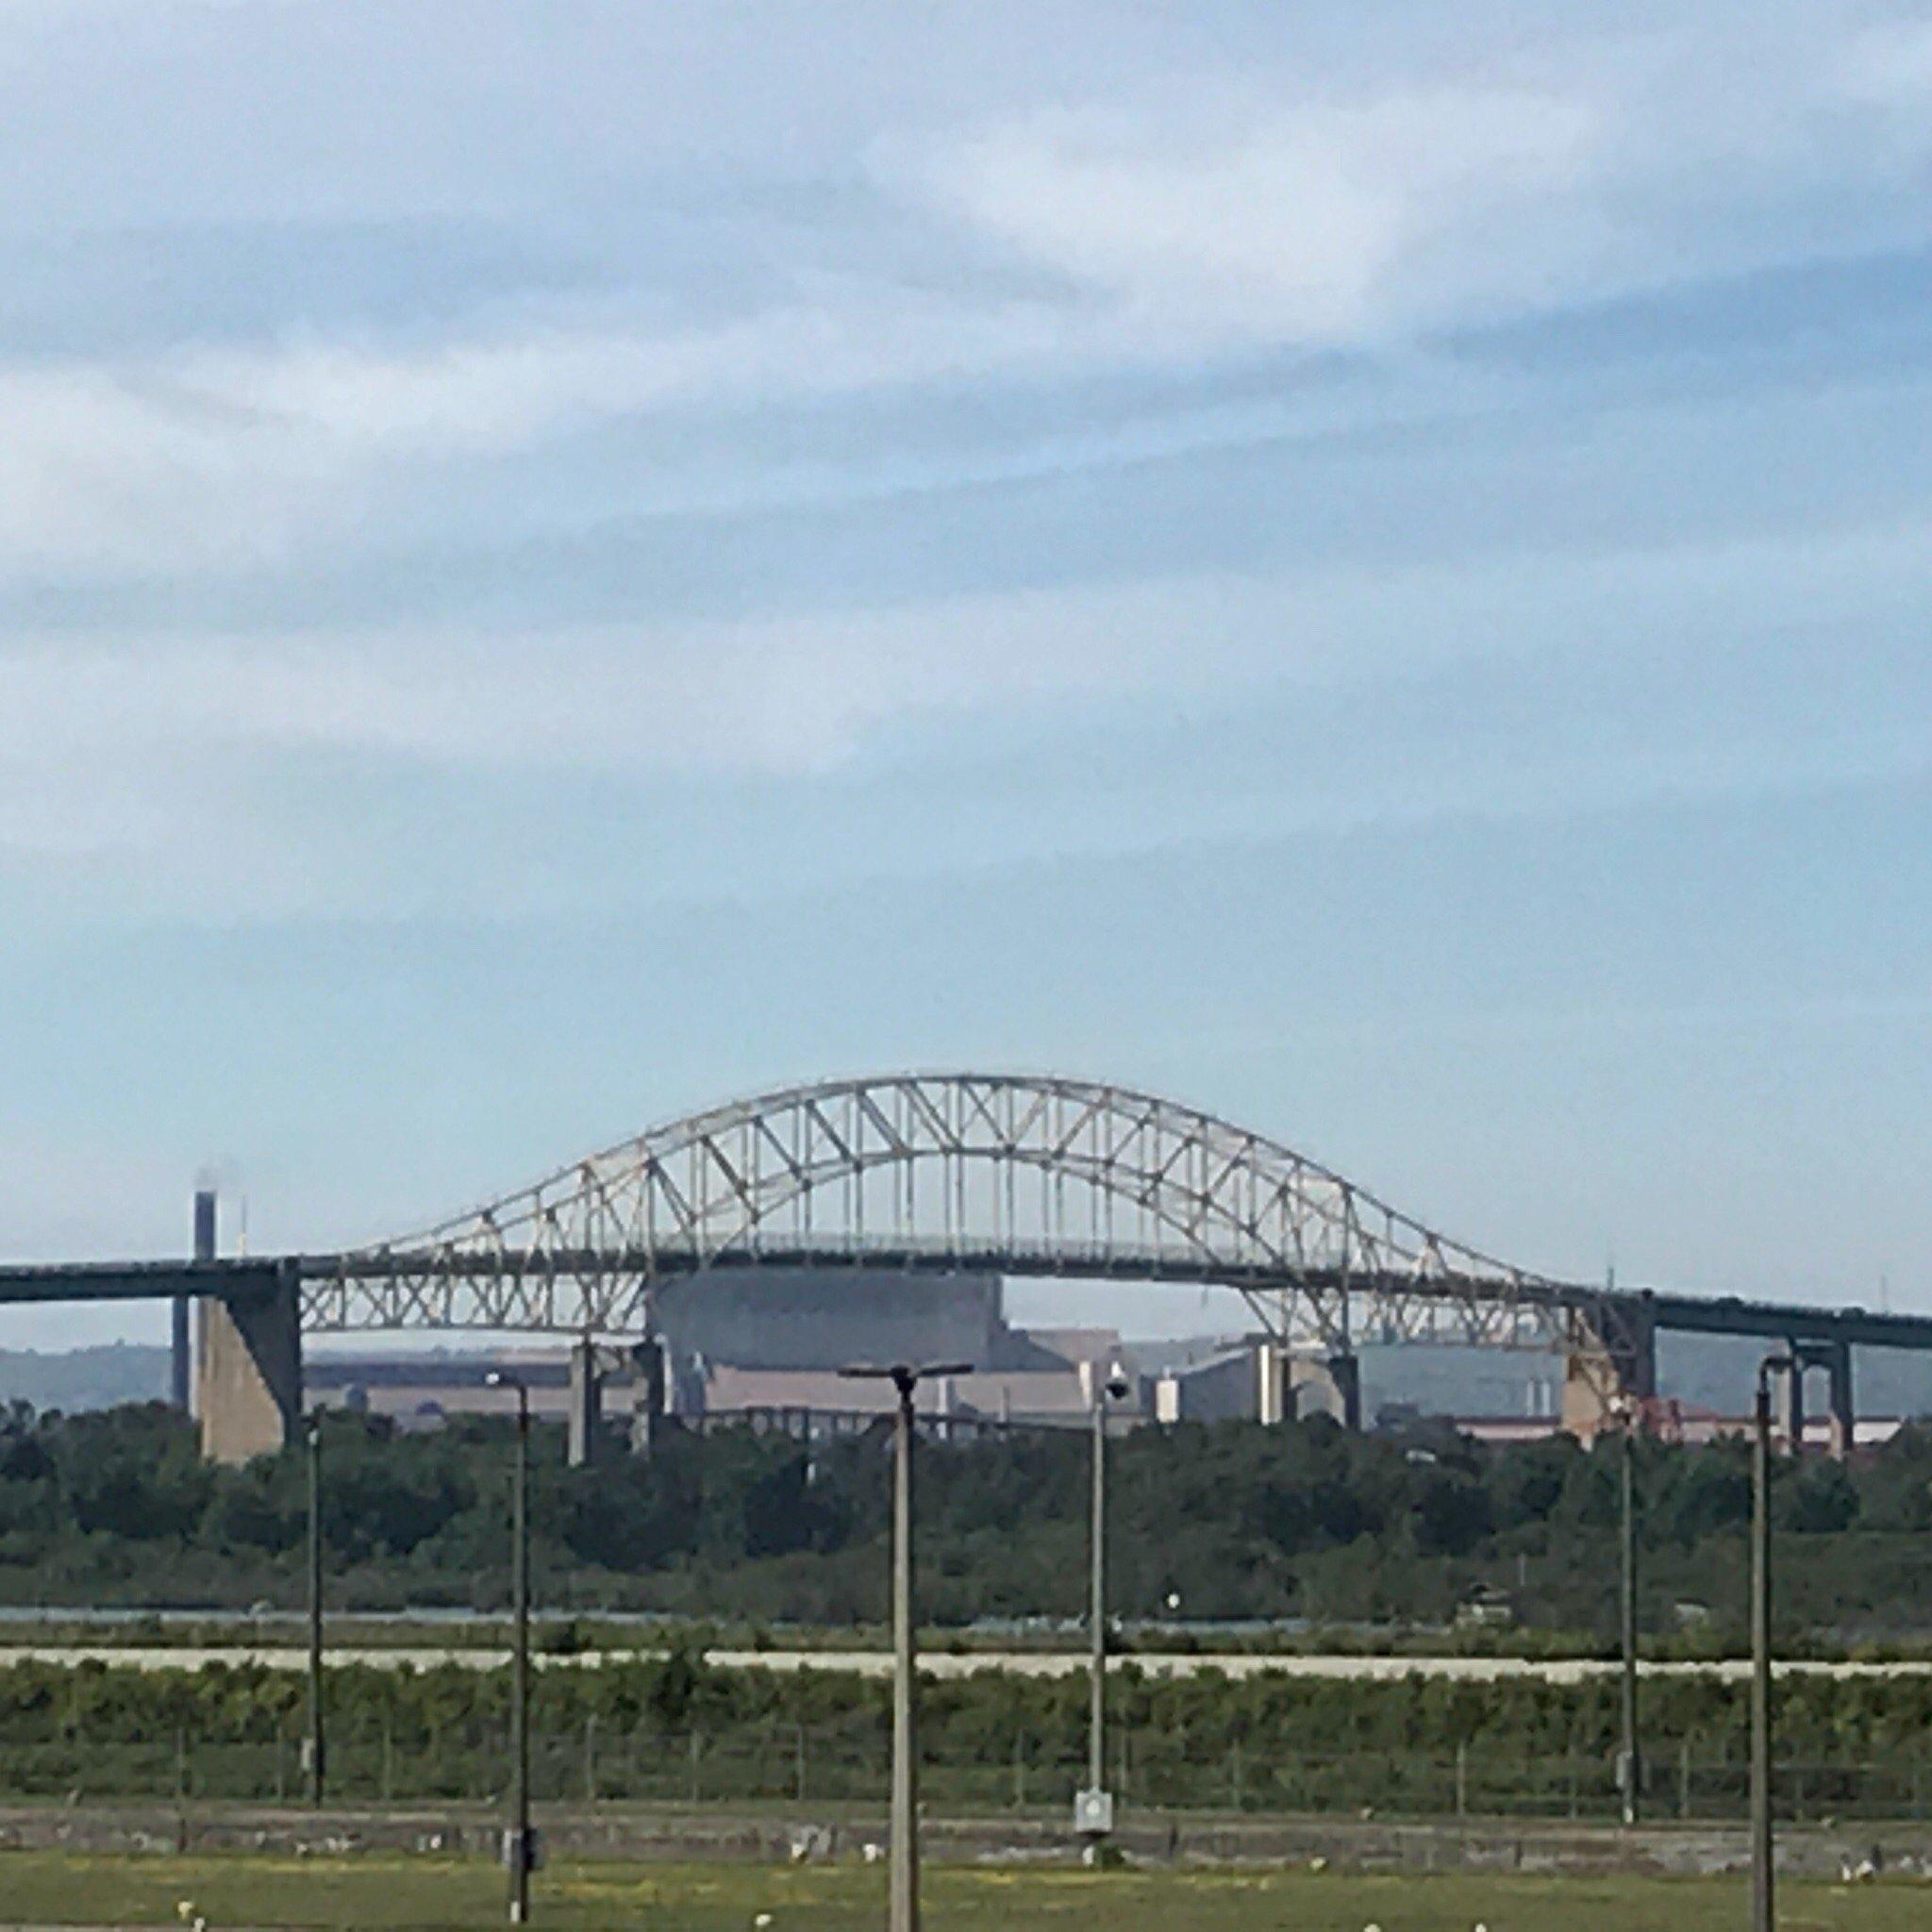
x=1094 y=1806
x=316 y=1760
x=1763 y=1867
x=1632 y=1764
x=519 y=1848
x=903 y=1878
x=1096 y=1609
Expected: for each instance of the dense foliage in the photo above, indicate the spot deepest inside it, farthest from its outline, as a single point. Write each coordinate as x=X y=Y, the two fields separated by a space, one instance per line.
x=1236 y=1520
x=671 y=1725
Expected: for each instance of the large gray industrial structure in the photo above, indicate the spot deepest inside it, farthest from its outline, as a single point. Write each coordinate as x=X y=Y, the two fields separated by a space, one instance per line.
x=970 y=1176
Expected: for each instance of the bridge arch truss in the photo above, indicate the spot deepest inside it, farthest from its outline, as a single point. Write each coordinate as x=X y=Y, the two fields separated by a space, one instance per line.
x=1009 y=1173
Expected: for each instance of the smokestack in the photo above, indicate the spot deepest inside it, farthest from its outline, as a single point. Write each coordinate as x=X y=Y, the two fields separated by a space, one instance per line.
x=181 y=1372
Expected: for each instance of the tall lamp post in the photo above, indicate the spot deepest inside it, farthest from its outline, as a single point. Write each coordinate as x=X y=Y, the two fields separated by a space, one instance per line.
x=317 y=1762
x=519 y=1849
x=1763 y=1870
x=903 y=1886
x=1094 y=1806
x=1630 y=1762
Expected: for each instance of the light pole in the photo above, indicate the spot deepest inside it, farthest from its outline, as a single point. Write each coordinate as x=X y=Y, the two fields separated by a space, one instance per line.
x=1630 y=1765
x=317 y=1770
x=1763 y=1871
x=1094 y=1806
x=903 y=1884
x=518 y=1849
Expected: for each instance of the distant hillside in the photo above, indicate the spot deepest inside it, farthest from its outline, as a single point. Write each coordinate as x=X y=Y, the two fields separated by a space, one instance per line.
x=77 y=1378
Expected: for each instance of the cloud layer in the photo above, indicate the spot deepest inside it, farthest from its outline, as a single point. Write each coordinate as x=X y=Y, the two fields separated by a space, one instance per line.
x=1009 y=275
x=1226 y=216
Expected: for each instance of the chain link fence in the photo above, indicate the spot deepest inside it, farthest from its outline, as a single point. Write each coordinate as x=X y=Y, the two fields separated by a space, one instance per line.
x=847 y=1762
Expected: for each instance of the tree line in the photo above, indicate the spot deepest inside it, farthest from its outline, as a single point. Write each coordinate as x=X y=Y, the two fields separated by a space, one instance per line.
x=1232 y=1520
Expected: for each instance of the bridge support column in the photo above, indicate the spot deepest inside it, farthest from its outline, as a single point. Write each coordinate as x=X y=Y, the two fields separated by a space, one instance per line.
x=586 y=1403
x=1273 y=1401
x=1788 y=1398
x=1330 y=1386
x=1842 y=1408
x=248 y=1372
x=1611 y=1360
x=1345 y=1372
x=647 y=1396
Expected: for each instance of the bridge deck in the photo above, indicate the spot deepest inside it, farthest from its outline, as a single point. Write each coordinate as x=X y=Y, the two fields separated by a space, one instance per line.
x=241 y=1276
x=140 y=1281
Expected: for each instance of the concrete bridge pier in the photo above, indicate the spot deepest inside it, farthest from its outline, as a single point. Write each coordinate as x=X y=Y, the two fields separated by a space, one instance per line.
x=248 y=1366
x=1788 y=1400
x=586 y=1420
x=1275 y=1397
x=1345 y=1375
x=1611 y=1361
x=648 y=1380
x=1842 y=1408
x=1842 y=1416
x=1293 y=1387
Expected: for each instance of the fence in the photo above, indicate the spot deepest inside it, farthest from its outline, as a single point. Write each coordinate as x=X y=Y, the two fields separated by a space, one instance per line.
x=847 y=1762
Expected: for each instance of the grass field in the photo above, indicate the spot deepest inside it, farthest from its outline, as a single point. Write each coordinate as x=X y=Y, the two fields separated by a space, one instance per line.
x=50 y=1888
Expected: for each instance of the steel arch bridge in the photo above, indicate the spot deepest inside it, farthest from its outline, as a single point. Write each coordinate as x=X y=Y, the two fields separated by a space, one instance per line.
x=945 y=1172
x=982 y=1173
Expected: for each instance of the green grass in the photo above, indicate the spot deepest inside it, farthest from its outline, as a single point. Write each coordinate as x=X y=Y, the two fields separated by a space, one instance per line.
x=47 y=1889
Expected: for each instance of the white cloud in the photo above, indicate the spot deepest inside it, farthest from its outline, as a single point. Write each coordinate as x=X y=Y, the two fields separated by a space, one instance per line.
x=145 y=748
x=1316 y=223
x=785 y=697
x=1222 y=214
x=1244 y=213
x=210 y=457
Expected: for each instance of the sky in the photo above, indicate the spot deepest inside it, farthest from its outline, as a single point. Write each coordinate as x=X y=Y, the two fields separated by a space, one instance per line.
x=1365 y=568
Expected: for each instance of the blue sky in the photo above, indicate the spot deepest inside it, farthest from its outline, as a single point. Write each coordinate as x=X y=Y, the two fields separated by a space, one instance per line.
x=1367 y=568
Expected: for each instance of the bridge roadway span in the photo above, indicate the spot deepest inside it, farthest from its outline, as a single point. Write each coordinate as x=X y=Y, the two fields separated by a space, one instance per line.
x=257 y=1288
x=262 y=1277
x=1006 y=1174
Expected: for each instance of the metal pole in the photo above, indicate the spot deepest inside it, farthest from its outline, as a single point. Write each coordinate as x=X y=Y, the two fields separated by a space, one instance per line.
x=1096 y=1665
x=520 y=1712
x=904 y=1909
x=317 y=1768
x=903 y=1883
x=1632 y=1767
x=1763 y=1875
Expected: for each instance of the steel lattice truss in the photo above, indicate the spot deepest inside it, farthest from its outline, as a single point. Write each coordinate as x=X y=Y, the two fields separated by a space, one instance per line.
x=989 y=1172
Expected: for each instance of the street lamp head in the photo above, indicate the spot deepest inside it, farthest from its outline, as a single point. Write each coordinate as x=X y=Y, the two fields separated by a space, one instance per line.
x=1118 y=1386
x=903 y=1373
x=502 y=1379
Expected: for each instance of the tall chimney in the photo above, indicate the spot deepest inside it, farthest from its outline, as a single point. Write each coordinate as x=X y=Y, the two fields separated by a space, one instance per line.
x=181 y=1375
